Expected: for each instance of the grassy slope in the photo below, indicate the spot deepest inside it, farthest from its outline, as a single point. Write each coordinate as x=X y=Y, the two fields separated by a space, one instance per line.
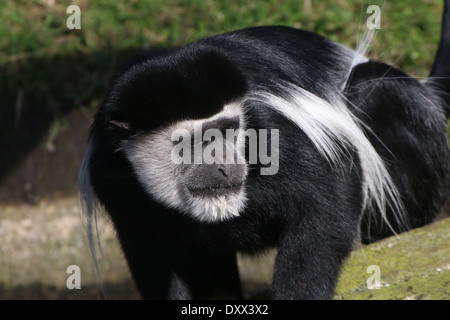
x=408 y=34
x=31 y=31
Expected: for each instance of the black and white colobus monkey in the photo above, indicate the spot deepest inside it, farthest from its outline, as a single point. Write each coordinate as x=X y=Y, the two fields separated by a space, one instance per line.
x=357 y=150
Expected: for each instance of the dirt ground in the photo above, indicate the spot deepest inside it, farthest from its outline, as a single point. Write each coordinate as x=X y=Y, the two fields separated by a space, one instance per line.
x=39 y=242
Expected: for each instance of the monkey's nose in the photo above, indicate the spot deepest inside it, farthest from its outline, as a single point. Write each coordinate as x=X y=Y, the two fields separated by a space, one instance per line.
x=221 y=174
x=224 y=170
x=217 y=179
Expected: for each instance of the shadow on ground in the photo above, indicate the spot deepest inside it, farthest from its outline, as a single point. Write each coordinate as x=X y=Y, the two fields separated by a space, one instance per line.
x=39 y=291
x=46 y=107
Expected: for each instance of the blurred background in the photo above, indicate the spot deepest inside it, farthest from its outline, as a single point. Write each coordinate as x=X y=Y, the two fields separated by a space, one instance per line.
x=52 y=81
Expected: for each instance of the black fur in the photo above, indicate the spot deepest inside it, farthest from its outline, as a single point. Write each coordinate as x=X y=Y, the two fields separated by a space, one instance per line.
x=439 y=75
x=311 y=210
x=410 y=134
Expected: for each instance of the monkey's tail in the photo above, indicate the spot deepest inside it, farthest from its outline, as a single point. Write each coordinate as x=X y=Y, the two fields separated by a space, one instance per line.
x=439 y=78
x=89 y=206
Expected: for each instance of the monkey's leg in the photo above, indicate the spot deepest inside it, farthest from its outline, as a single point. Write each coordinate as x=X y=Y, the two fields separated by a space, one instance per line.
x=311 y=252
x=166 y=268
x=210 y=274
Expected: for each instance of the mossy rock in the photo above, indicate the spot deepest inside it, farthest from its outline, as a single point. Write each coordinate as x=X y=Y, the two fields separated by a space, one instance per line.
x=413 y=265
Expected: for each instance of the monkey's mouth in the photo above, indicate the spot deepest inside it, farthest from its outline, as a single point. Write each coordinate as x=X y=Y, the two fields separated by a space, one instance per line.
x=215 y=190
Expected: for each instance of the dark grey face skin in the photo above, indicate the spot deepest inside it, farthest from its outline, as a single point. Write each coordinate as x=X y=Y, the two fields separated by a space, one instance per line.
x=195 y=166
x=219 y=178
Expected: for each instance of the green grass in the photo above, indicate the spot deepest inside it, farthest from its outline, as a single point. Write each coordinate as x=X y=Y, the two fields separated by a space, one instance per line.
x=56 y=69
x=37 y=28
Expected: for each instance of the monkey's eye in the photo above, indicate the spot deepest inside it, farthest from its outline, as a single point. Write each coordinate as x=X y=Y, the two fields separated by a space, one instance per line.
x=119 y=125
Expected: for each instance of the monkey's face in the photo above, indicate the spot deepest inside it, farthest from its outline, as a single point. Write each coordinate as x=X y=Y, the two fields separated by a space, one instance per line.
x=195 y=166
x=178 y=118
